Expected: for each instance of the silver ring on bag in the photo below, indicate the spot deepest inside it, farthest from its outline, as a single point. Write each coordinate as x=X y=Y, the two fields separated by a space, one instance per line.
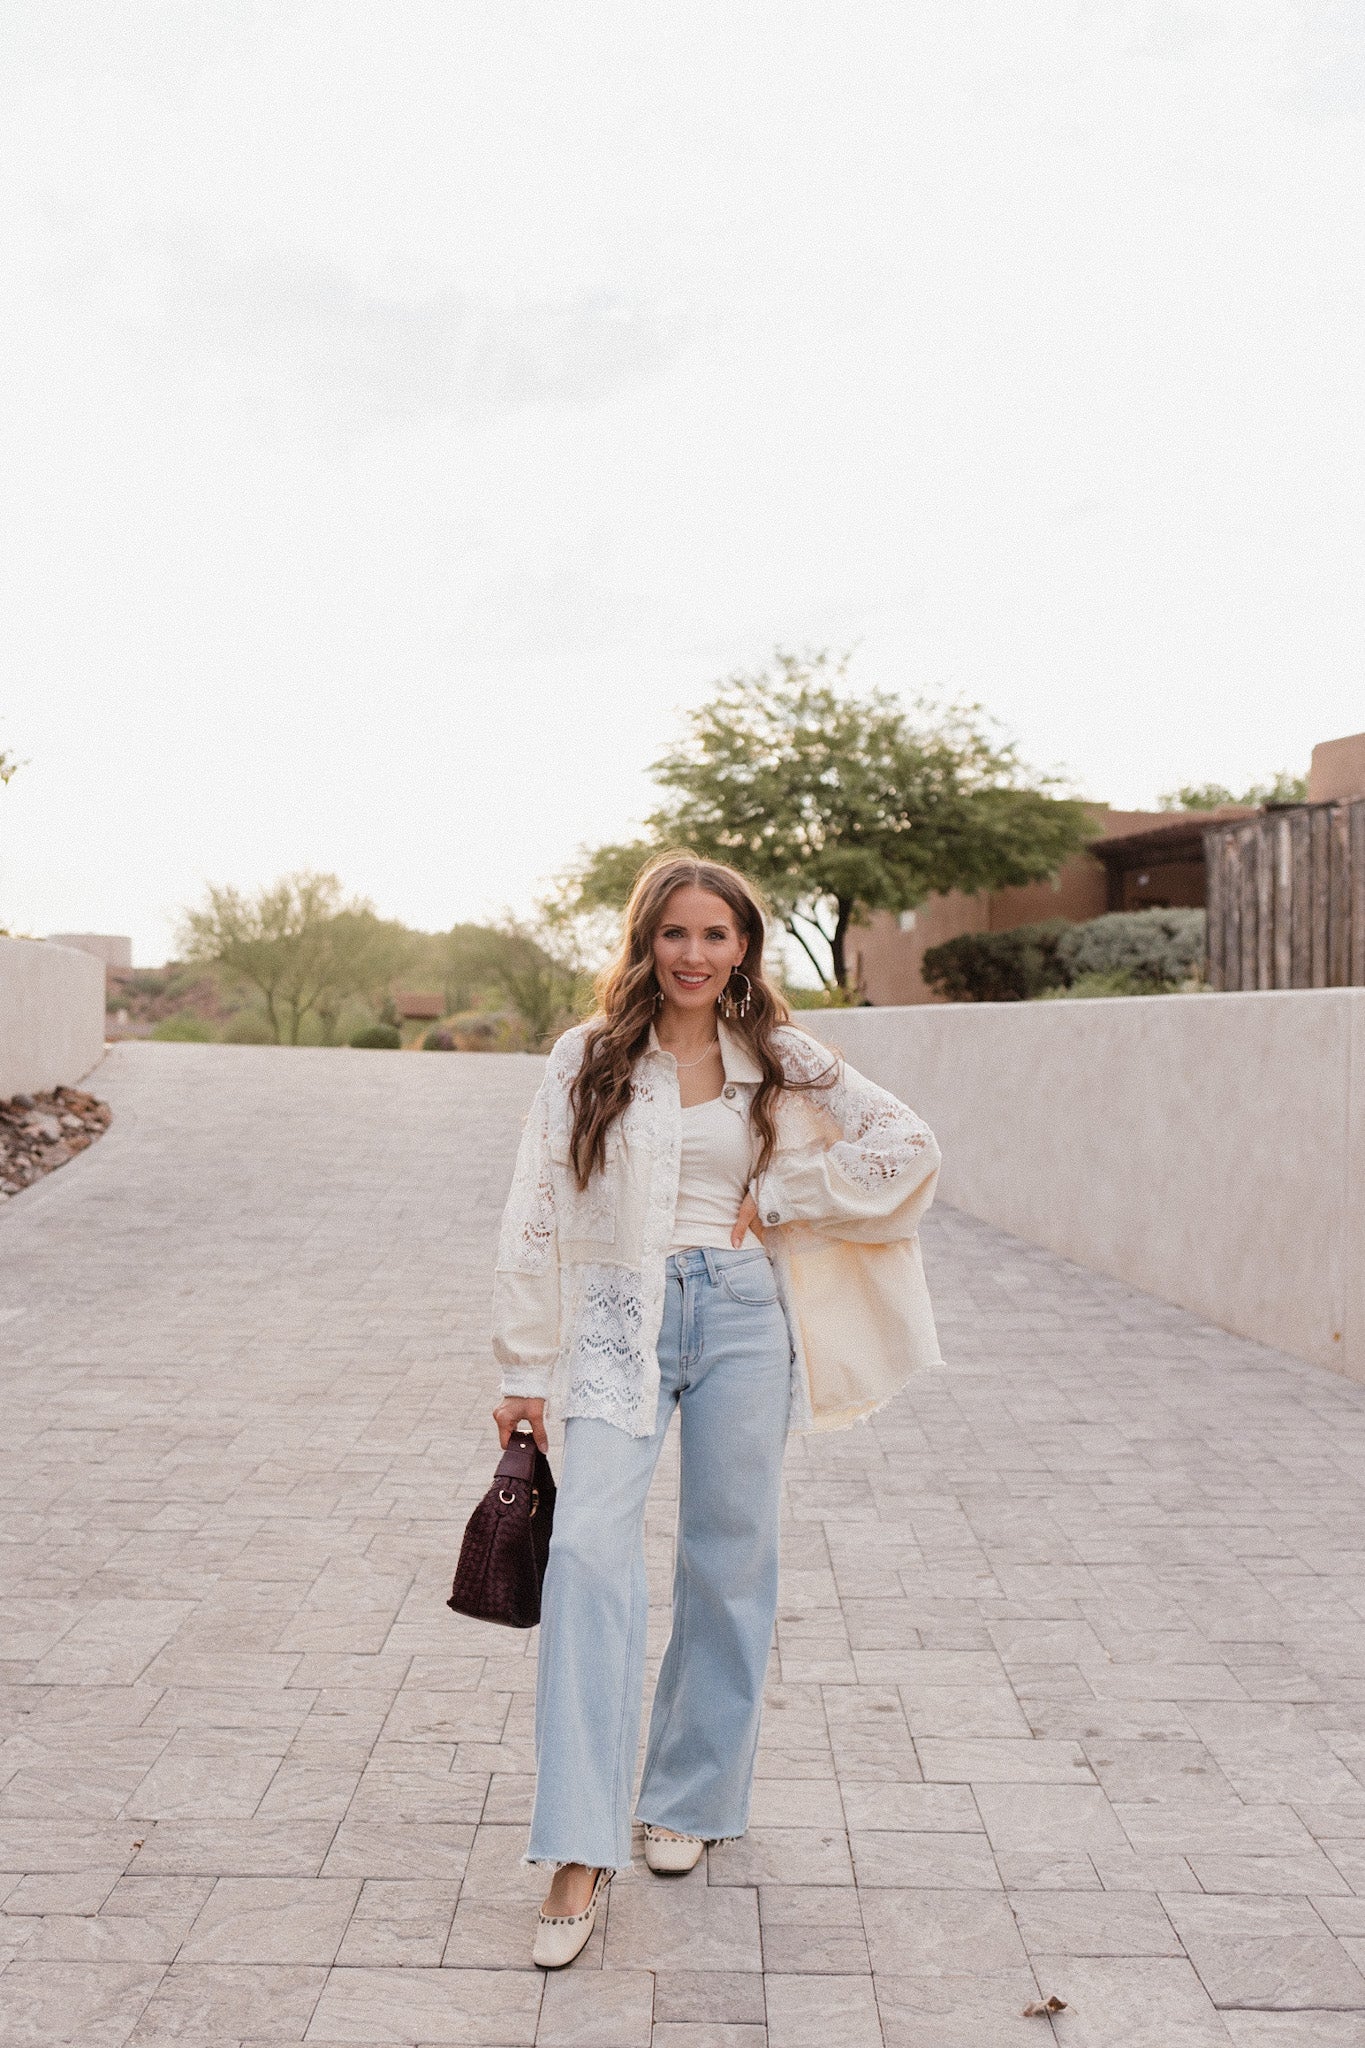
x=506 y=1498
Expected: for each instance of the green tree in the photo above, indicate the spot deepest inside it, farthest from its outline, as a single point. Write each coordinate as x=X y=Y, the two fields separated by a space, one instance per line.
x=297 y=942
x=365 y=953
x=1282 y=788
x=536 y=965
x=837 y=805
x=467 y=961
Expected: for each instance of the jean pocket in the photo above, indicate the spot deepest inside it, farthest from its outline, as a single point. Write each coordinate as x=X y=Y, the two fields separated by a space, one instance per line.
x=750 y=1280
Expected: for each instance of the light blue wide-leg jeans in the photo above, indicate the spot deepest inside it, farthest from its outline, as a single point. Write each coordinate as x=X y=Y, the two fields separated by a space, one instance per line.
x=725 y=1363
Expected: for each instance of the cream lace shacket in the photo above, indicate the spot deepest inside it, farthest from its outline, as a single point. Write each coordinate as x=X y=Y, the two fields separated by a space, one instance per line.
x=578 y=1293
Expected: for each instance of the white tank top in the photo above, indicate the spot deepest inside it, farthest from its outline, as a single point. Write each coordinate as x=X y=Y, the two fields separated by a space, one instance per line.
x=717 y=1160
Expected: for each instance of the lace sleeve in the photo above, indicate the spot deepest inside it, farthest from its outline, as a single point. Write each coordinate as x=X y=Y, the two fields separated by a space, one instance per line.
x=877 y=1178
x=527 y=1239
x=526 y=1280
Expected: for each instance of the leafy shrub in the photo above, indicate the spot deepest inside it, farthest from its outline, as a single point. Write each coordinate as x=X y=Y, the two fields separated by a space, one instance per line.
x=184 y=1028
x=248 y=1027
x=1120 y=981
x=1158 y=948
x=438 y=1041
x=377 y=1038
x=998 y=967
x=821 y=998
x=1126 y=953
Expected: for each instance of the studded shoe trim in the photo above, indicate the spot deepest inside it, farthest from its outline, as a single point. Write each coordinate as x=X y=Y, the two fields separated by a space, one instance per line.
x=604 y=1878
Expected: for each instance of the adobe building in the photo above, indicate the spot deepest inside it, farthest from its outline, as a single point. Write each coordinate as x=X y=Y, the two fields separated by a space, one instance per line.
x=1137 y=860
x=113 y=949
x=1337 y=770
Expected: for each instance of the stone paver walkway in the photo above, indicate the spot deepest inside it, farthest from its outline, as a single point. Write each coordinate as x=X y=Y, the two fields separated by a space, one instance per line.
x=1069 y=1693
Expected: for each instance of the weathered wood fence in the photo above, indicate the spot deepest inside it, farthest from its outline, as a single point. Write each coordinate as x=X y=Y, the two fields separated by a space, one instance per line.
x=1286 y=898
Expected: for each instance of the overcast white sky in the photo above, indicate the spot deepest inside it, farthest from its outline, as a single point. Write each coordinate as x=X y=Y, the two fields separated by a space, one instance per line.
x=412 y=404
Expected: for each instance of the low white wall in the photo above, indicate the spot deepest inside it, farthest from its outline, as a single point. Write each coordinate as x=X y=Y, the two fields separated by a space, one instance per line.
x=1209 y=1149
x=51 y=1015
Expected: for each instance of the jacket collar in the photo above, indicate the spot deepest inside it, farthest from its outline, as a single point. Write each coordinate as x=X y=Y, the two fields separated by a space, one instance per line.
x=736 y=1058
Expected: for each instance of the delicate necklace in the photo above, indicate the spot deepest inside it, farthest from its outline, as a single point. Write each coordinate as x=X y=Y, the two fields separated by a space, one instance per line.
x=683 y=1065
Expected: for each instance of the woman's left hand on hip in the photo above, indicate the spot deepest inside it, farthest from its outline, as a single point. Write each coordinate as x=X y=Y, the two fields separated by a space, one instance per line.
x=748 y=1216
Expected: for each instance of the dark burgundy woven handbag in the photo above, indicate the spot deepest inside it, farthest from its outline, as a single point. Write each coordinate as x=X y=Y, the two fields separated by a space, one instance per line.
x=507 y=1540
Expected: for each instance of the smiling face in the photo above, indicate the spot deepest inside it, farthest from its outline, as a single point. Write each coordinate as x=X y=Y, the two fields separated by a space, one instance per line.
x=697 y=947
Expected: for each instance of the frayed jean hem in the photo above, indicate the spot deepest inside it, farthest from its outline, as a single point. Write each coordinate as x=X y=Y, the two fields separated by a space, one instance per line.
x=558 y=1863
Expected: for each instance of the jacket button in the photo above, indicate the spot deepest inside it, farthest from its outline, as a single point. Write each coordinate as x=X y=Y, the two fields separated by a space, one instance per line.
x=729 y=1094
x=772 y=1217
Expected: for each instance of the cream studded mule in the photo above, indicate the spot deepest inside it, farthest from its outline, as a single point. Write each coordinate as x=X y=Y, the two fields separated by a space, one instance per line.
x=561 y=1936
x=671 y=1855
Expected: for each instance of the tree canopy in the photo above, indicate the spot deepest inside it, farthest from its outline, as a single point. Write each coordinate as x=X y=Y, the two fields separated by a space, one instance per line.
x=298 y=943
x=837 y=805
x=307 y=951
x=1282 y=788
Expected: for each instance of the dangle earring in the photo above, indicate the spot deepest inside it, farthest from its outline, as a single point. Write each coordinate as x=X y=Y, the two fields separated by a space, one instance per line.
x=740 y=1008
x=658 y=998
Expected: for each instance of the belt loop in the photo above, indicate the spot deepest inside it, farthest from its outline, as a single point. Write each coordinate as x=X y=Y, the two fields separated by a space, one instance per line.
x=710 y=1259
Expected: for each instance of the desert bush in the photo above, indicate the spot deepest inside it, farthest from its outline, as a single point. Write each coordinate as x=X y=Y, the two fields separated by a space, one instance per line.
x=998 y=967
x=377 y=1038
x=488 y=1031
x=438 y=1041
x=1157 y=949
x=184 y=1028
x=1119 y=981
x=248 y=1027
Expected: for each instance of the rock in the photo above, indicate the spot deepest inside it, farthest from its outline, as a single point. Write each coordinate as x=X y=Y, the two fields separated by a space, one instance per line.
x=38 y=1133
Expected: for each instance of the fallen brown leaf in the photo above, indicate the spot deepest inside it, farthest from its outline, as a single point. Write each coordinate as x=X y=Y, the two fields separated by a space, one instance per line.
x=1041 y=2007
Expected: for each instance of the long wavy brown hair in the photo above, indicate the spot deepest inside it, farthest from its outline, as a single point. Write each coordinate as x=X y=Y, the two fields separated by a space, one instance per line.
x=627 y=993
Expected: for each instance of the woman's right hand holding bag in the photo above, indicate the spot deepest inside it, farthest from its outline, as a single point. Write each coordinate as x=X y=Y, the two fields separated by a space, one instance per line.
x=515 y=1408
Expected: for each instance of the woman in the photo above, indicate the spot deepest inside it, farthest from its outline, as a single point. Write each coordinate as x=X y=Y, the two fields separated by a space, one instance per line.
x=713 y=1213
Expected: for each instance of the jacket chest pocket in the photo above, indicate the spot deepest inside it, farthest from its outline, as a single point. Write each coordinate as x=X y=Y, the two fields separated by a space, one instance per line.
x=588 y=1215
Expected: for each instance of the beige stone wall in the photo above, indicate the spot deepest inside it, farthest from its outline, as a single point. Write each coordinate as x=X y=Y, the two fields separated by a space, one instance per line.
x=1209 y=1149
x=51 y=1015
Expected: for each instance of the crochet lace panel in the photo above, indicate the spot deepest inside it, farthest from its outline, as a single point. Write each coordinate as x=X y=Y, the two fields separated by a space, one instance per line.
x=880 y=1138
x=609 y=1374
x=611 y=1324
x=528 y=1241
